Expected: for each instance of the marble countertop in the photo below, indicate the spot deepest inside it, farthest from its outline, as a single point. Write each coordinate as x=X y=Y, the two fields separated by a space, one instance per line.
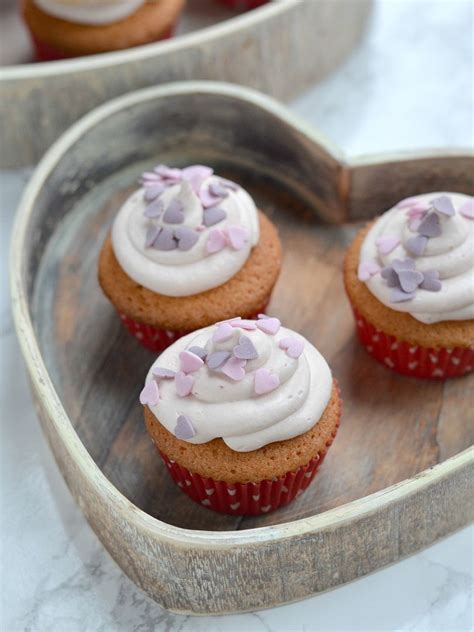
x=409 y=85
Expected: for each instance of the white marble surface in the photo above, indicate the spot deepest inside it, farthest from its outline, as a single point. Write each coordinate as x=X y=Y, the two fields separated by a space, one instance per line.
x=409 y=85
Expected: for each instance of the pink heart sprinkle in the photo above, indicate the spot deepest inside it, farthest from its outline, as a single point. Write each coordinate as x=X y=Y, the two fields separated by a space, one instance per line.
x=223 y=332
x=467 y=209
x=150 y=395
x=234 y=368
x=238 y=236
x=293 y=346
x=386 y=244
x=269 y=325
x=367 y=269
x=195 y=175
x=407 y=202
x=184 y=383
x=216 y=241
x=190 y=362
x=265 y=382
x=244 y=323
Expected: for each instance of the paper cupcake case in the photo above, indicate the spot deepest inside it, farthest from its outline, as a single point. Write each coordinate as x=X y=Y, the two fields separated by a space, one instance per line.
x=250 y=499
x=413 y=360
x=158 y=340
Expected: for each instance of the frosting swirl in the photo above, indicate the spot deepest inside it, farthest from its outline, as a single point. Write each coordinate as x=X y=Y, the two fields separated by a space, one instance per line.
x=185 y=231
x=418 y=257
x=250 y=383
x=93 y=12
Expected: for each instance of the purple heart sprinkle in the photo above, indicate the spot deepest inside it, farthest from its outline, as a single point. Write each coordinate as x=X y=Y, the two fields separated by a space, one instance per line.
x=154 y=210
x=165 y=240
x=174 y=214
x=163 y=374
x=217 y=359
x=213 y=215
x=168 y=173
x=399 y=296
x=443 y=205
x=199 y=351
x=403 y=264
x=416 y=245
x=245 y=350
x=152 y=233
x=186 y=237
x=409 y=280
x=184 y=428
x=153 y=191
x=390 y=276
x=217 y=190
x=431 y=281
x=430 y=226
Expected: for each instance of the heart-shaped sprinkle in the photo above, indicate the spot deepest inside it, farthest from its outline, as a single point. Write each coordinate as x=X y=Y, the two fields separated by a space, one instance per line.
x=403 y=264
x=238 y=236
x=190 y=362
x=409 y=280
x=218 y=190
x=269 y=325
x=150 y=395
x=153 y=191
x=265 y=382
x=163 y=374
x=150 y=176
x=195 y=175
x=187 y=237
x=183 y=383
x=213 y=215
x=154 y=210
x=168 y=173
x=407 y=202
x=152 y=233
x=444 y=205
x=199 y=351
x=390 y=276
x=467 y=209
x=386 y=243
x=414 y=224
x=416 y=245
x=174 y=214
x=245 y=350
x=184 y=428
x=293 y=346
x=217 y=359
x=430 y=226
x=244 y=323
x=216 y=241
x=399 y=296
x=367 y=269
x=228 y=184
x=223 y=332
x=234 y=368
x=431 y=281
x=165 y=240
x=207 y=198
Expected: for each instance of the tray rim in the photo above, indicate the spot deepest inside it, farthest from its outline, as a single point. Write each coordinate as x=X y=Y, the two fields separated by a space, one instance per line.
x=44 y=388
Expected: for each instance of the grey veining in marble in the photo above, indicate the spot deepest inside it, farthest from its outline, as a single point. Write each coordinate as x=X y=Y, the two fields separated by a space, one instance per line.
x=409 y=85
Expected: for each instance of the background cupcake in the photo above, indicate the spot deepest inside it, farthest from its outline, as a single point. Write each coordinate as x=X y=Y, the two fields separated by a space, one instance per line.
x=73 y=28
x=187 y=249
x=242 y=413
x=410 y=279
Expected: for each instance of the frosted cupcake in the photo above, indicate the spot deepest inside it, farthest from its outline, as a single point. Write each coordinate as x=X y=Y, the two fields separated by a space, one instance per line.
x=410 y=279
x=73 y=28
x=187 y=249
x=243 y=413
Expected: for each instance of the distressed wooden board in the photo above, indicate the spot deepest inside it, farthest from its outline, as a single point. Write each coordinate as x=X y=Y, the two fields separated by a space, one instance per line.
x=308 y=38
x=400 y=472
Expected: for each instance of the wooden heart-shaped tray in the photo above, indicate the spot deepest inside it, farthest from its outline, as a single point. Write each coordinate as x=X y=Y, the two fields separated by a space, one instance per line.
x=400 y=473
x=306 y=38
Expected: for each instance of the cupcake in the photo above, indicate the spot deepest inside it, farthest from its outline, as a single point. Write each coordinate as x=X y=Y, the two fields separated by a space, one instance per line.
x=72 y=28
x=242 y=413
x=409 y=278
x=187 y=249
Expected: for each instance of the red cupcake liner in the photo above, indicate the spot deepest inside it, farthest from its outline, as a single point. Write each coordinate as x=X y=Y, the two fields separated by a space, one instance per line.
x=250 y=499
x=46 y=52
x=158 y=340
x=242 y=5
x=413 y=360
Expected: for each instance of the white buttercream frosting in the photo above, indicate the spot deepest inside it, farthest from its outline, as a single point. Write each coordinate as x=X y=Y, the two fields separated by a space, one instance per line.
x=94 y=12
x=185 y=272
x=219 y=406
x=450 y=255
